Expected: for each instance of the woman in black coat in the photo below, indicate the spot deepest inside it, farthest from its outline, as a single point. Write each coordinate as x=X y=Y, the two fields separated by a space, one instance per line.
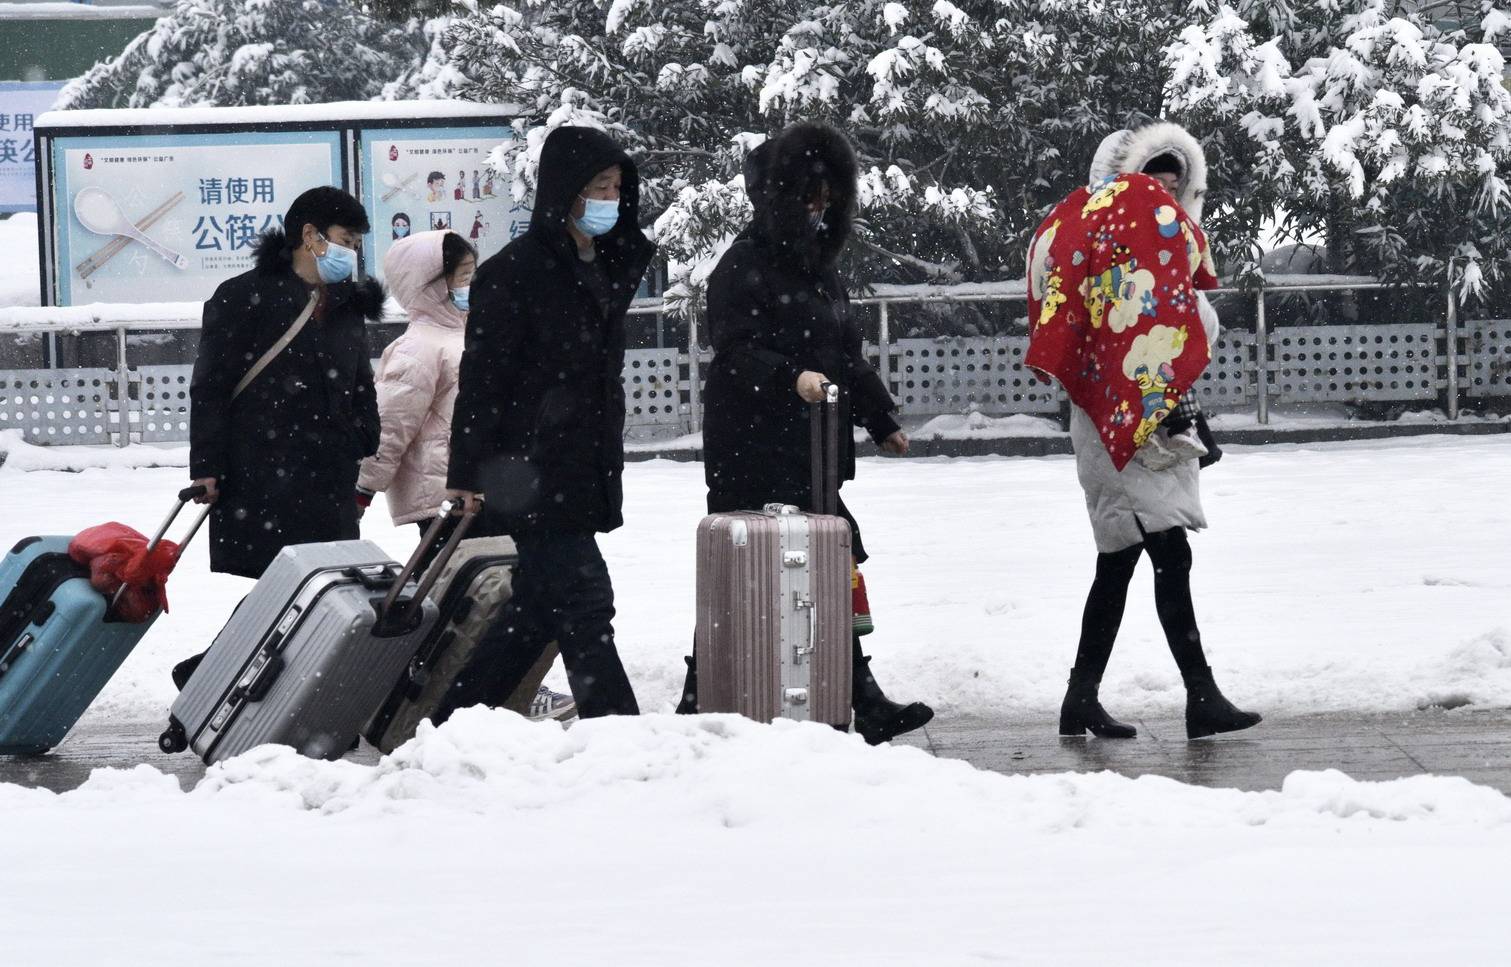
x=538 y=426
x=780 y=321
x=280 y=462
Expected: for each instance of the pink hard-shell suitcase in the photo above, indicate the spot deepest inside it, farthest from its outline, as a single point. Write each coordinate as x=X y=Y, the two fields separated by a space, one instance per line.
x=774 y=623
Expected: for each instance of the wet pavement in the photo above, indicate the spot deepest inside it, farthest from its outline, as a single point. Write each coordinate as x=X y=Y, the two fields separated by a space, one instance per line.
x=1475 y=744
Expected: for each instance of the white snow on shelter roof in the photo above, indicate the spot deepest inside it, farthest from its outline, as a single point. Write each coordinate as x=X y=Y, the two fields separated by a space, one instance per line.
x=335 y=113
x=80 y=11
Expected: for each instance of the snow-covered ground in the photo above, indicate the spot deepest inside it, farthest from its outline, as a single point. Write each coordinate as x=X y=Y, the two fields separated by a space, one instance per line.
x=18 y=267
x=672 y=842
x=1340 y=577
x=1369 y=576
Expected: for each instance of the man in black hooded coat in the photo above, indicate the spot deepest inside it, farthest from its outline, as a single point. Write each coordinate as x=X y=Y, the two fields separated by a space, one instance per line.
x=281 y=459
x=780 y=321
x=538 y=427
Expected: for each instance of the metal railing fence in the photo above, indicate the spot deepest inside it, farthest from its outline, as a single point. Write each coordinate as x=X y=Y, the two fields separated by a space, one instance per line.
x=1442 y=362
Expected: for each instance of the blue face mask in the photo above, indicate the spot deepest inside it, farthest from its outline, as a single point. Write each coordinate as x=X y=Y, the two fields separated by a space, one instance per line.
x=338 y=263
x=459 y=297
x=598 y=217
x=401 y=231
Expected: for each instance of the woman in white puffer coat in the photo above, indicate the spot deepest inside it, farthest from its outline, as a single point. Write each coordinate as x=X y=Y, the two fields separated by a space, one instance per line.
x=1149 y=505
x=429 y=274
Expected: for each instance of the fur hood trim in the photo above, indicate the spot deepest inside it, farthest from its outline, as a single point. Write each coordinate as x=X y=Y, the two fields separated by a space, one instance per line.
x=1126 y=152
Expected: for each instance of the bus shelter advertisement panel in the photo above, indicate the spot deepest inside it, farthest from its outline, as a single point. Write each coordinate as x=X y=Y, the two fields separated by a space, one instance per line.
x=416 y=180
x=146 y=218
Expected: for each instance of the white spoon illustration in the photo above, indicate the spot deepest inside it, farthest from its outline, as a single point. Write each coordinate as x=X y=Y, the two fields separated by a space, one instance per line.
x=98 y=212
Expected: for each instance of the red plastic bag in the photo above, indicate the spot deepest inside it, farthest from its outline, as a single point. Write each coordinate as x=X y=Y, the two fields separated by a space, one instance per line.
x=116 y=555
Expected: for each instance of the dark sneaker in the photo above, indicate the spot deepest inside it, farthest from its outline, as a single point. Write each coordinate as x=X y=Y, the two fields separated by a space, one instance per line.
x=551 y=705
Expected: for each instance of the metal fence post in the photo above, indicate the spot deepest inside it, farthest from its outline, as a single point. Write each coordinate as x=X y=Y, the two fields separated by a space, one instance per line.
x=1262 y=359
x=884 y=347
x=1451 y=351
x=122 y=388
x=694 y=375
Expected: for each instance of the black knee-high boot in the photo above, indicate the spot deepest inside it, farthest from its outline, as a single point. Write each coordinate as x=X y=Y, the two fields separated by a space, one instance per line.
x=1082 y=710
x=1208 y=712
x=878 y=719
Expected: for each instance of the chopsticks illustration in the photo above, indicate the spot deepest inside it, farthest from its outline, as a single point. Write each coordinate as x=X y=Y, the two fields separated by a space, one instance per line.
x=388 y=195
x=114 y=247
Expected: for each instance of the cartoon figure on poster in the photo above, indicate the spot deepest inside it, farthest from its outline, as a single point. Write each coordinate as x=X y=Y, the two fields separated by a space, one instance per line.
x=400 y=225
x=436 y=185
x=440 y=221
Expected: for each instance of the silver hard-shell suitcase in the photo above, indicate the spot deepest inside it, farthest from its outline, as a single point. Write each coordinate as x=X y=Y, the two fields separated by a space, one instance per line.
x=774 y=623
x=310 y=654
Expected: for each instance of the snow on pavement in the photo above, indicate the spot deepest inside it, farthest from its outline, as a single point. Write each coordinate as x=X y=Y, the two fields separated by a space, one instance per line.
x=716 y=841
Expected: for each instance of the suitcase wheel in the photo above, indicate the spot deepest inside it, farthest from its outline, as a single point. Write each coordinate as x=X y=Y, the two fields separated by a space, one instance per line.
x=173 y=740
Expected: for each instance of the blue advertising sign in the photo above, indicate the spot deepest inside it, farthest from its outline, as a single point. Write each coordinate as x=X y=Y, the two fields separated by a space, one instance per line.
x=152 y=218
x=417 y=179
x=20 y=104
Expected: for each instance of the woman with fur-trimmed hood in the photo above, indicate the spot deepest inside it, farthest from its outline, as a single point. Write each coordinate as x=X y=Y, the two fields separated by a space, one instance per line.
x=780 y=323
x=1149 y=504
x=279 y=459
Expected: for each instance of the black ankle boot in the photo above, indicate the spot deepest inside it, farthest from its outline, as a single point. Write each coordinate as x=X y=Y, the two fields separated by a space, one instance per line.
x=1082 y=712
x=689 y=703
x=878 y=719
x=1208 y=712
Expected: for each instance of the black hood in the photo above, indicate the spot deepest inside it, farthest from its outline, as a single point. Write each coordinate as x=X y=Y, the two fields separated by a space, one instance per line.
x=757 y=167
x=571 y=157
x=274 y=256
x=799 y=159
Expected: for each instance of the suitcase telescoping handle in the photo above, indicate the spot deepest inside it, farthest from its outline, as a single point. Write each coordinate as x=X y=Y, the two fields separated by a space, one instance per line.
x=824 y=435
x=432 y=535
x=184 y=497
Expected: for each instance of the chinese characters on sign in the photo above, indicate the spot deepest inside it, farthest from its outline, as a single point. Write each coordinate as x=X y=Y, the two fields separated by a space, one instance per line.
x=20 y=103
x=233 y=231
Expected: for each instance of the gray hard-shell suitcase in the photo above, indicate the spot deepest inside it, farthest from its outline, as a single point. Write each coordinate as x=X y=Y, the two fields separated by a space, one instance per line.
x=469 y=593
x=309 y=655
x=774 y=622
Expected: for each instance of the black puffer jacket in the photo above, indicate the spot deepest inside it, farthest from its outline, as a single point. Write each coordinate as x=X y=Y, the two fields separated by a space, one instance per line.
x=539 y=419
x=776 y=307
x=286 y=451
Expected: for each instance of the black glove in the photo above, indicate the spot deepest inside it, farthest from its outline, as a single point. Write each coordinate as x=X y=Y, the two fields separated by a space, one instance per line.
x=1204 y=433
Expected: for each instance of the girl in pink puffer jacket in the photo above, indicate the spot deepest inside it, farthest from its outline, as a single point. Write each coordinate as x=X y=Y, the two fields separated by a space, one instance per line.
x=429 y=274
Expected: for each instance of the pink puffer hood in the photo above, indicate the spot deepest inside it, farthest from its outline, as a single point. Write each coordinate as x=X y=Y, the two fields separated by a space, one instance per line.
x=414 y=271
x=417 y=383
